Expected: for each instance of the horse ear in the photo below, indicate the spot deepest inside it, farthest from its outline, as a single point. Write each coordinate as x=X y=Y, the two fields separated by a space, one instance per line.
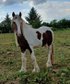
x=20 y=14
x=13 y=14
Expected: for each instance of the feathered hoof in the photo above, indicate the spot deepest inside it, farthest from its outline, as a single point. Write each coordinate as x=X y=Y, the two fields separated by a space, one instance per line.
x=21 y=70
x=36 y=70
x=48 y=64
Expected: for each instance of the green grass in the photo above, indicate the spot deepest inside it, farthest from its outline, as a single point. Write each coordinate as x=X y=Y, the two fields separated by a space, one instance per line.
x=10 y=61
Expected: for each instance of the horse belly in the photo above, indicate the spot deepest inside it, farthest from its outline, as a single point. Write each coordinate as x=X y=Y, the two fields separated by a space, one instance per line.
x=34 y=42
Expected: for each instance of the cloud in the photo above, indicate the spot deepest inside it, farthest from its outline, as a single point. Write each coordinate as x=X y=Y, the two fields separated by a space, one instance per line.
x=36 y=2
x=54 y=10
x=10 y=2
x=48 y=9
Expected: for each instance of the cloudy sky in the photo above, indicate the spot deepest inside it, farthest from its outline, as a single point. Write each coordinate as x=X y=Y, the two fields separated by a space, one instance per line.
x=48 y=9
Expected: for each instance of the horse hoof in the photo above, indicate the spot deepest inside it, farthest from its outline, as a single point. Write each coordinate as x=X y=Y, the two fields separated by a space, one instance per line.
x=48 y=64
x=35 y=70
x=22 y=71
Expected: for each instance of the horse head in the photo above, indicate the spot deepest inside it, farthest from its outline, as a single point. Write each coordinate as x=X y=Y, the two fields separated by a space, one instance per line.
x=17 y=23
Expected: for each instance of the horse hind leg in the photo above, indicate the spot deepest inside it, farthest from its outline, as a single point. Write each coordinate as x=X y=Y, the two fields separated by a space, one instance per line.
x=50 y=56
x=48 y=39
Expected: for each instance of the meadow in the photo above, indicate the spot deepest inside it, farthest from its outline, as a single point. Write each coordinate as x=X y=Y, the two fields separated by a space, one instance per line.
x=10 y=61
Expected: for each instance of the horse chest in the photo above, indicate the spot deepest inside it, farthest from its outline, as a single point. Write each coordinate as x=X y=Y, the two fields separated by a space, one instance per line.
x=23 y=44
x=21 y=40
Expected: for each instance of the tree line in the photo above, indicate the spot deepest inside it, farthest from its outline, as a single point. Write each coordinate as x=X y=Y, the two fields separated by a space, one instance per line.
x=34 y=19
x=5 y=25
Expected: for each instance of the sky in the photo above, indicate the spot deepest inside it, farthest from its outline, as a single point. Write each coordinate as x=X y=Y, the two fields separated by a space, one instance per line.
x=47 y=9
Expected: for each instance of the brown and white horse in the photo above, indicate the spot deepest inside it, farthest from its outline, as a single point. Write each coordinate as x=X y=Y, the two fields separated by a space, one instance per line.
x=28 y=38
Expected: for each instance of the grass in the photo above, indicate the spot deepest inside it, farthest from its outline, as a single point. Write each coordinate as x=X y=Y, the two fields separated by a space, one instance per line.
x=10 y=62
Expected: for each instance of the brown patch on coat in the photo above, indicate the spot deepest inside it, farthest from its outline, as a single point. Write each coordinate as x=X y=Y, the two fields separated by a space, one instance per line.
x=38 y=35
x=47 y=38
x=23 y=43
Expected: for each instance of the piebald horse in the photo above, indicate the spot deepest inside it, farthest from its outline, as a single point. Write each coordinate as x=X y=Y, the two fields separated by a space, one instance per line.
x=28 y=38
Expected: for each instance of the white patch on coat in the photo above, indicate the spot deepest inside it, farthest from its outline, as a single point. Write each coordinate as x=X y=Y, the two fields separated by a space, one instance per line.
x=17 y=20
x=18 y=28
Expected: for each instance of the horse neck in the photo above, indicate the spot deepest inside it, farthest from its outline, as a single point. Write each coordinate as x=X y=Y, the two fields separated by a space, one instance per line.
x=25 y=25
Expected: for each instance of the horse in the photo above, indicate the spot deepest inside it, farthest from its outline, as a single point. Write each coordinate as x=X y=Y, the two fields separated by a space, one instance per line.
x=27 y=38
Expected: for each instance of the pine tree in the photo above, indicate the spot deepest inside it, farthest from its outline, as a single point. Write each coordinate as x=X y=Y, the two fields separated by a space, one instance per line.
x=33 y=18
x=8 y=23
x=5 y=25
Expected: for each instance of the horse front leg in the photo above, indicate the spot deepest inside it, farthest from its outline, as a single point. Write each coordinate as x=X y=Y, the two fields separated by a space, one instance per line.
x=50 y=56
x=34 y=62
x=16 y=39
x=23 y=66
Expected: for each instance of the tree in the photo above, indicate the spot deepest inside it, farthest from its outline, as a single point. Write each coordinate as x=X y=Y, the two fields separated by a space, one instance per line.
x=61 y=24
x=5 y=25
x=46 y=24
x=33 y=18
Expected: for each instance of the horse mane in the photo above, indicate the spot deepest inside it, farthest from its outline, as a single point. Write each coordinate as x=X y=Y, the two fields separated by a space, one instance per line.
x=27 y=25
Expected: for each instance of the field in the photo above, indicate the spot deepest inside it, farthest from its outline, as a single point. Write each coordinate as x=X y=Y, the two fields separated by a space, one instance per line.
x=10 y=62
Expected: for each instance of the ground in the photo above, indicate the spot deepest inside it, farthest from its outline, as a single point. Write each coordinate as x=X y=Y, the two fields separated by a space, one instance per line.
x=10 y=62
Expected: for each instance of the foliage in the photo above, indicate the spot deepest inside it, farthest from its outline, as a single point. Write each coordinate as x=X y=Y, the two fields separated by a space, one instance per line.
x=33 y=18
x=36 y=78
x=5 y=25
x=46 y=24
x=46 y=77
x=61 y=24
